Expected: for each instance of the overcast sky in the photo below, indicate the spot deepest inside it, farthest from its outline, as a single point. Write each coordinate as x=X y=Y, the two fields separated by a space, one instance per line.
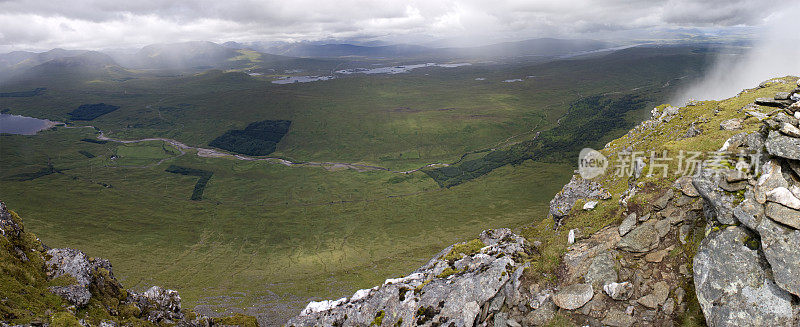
x=96 y=24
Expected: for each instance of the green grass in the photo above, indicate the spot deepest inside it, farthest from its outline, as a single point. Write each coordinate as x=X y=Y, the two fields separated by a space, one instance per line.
x=299 y=232
x=143 y=153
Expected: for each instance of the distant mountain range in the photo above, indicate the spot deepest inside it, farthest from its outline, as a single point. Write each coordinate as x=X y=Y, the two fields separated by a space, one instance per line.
x=263 y=57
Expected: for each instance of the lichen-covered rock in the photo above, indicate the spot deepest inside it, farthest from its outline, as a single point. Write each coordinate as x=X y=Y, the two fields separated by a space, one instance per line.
x=79 y=266
x=783 y=215
x=573 y=296
x=780 y=246
x=642 y=239
x=617 y=318
x=602 y=270
x=733 y=286
x=159 y=305
x=8 y=227
x=719 y=202
x=627 y=224
x=783 y=146
x=731 y=124
x=75 y=294
x=659 y=295
x=469 y=289
x=619 y=291
x=577 y=188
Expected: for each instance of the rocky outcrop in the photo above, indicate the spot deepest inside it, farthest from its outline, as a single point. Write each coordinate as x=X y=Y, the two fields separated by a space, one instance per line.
x=733 y=285
x=750 y=274
x=577 y=189
x=465 y=285
x=86 y=283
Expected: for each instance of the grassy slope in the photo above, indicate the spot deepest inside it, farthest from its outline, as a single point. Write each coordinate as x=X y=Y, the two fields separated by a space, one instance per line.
x=707 y=116
x=299 y=232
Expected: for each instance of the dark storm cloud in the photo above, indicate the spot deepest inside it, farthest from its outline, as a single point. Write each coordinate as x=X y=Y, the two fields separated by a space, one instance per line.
x=95 y=24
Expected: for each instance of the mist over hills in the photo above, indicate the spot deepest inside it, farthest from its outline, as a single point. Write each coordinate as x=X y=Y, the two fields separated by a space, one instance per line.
x=204 y=55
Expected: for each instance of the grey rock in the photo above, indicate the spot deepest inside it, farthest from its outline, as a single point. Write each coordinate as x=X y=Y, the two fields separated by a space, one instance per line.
x=642 y=239
x=69 y=262
x=732 y=283
x=780 y=246
x=782 y=96
x=668 y=307
x=75 y=294
x=790 y=130
x=501 y=319
x=540 y=316
x=785 y=197
x=731 y=124
x=783 y=215
x=684 y=183
x=663 y=227
x=679 y=294
x=773 y=103
x=659 y=295
x=617 y=318
x=719 y=203
x=692 y=131
x=577 y=188
x=579 y=256
x=733 y=176
x=619 y=291
x=749 y=212
x=627 y=224
x=663 y=200
x=602 y=270
x=683 y=233
x=573 y=296
x=8 y=227
x=159 y=305
x=638 y=167
x=783 y=146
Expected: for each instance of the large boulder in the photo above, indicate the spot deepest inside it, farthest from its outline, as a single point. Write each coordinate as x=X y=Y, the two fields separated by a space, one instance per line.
x=732 y=283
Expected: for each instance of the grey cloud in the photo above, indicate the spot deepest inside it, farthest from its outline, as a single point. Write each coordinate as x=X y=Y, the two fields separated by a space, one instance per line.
x=96 y=23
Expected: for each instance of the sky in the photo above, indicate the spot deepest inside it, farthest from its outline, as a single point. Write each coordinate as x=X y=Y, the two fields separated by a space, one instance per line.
x=96 y=24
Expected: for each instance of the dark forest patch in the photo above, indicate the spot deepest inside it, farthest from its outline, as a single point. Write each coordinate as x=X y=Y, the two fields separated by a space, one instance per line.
x=91 y=111
x=257 y=139
x=95 y=141
x=44 y=171
x=86 y=154
x=200 y=186
x=588 y=121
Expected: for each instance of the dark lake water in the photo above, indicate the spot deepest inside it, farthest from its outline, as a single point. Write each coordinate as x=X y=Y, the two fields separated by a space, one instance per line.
x=14 y=124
